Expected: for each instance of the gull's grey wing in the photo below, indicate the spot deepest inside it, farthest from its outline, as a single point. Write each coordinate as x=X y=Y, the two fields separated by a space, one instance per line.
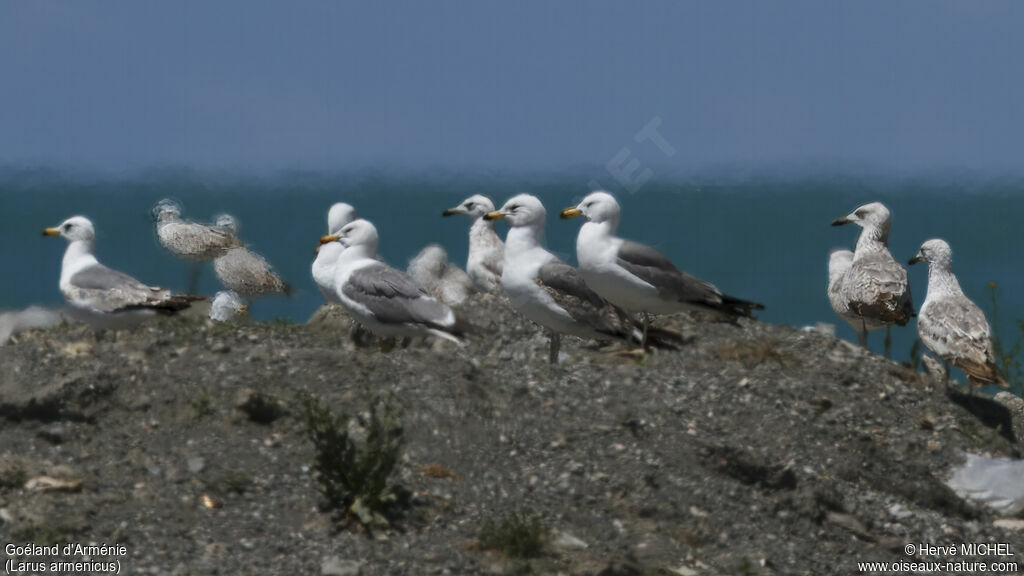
x=673 y=284
x=956 y=330
x=107 y=290
x=654 y=268
x=394 y=298
x=567 y=288
x=245 y=272
x=876 y=287
x=99 y=277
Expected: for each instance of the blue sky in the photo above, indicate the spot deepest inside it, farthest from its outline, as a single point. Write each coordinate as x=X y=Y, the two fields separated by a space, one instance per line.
x=250 y=85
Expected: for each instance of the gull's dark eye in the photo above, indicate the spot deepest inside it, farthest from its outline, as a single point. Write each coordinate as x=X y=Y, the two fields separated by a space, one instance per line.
x=469 y=205
x=861 y=213
x=67 y=227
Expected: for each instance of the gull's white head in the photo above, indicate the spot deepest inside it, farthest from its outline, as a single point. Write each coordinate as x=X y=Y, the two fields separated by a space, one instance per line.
x=166 y=209
x=839 y=262
x=935 y=252
x=359 y=233
x=520 y=210
x=598 y=206
x=227 y=221
x=226 y=305
x=338 y=216
x=74 y=229
x=476 y=206
x=874 y=214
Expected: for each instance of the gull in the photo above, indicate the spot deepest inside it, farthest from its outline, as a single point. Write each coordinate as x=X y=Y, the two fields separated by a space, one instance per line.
x=16 y=321
x=386 y=301
x=636 y=277
x=98 y=292
x=243 y=271
x=227 y=306
x=190 y=240
x=486 y=251
x=875 y=289
x=324 y=266
x=547 y=290
x=949 y=324
x=839 y=262
x=444 y=280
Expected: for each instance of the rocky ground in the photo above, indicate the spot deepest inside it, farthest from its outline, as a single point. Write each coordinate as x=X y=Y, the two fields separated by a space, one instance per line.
x=754 y=449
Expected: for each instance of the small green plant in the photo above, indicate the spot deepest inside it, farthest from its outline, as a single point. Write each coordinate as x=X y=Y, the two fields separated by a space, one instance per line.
x=202 y=403
x=1007 y=356
x=284 y=325
x=515 y=536
x=233 y=481
x=13 y=477
x=354 y=475
x=752 y=353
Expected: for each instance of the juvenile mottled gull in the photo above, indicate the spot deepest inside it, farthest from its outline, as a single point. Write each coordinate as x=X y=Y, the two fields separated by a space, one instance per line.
x=839 y=262
x=486 y=251
x=243 y=271
x=636 y=277
x=227 y=306
x=98 y=291
x=444 y=280
x=875 y=288
x=547 y=290
x=190 y=240
x=324 y=266
x=949 y=324
x=16 y=321
x=385 y=300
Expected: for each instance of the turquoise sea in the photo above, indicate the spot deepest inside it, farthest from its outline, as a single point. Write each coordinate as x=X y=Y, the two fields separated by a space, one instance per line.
x=765 y=238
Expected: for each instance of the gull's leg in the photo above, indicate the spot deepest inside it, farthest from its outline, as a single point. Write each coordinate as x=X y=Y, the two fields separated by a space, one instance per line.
x=193 y=277
x=647 y=323
x=556 y=344
x=862 y=334
x=361 y=336
x=888 y=343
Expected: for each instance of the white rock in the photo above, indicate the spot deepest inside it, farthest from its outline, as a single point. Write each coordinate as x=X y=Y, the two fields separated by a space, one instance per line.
x=1009 y=523
x=334 y=566
x=566 y=541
